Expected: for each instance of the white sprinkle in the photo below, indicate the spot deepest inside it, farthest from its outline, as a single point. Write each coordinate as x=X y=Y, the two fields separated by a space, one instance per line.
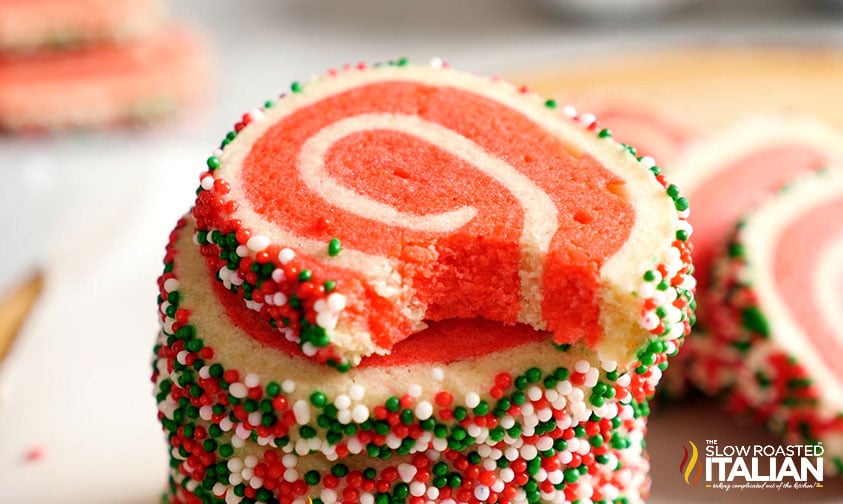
x=581 y=366
x=235 y=465
x=342 y=401
x=238 y=390
x=237 y=442
x=555 y=477
x=250 y=461
x=436 y=62
x=256 y=115
x=291 y=475
x=286 y=255
x=336 y=302
x=218 y=489
x=355 y=446
x=206 y=413
x=482 y=492
x=569 y=111
x=226 y=424
x=289 y=460
x=437 y=374
x=507 y=475
x=242 y=251
x=529 y=452
x=648 y=162
x=591 y=377
x=241 y=432
x=407 y=472
x=360 y=413
x=414 y=390
x=587 y=119
x=472 y=400
x=253 y=305
x=278 y=275
x=301 y=410
x=230 y=496
x=207 y=182
x=279 y=299
x=433 y=493
x=344 y=416
x=534 y=393
x=171 y=284
x=356 y=392
x=257 y=243
x=424 y=410
x=255 y=418
x=302 y=448
x=327 y=320
x=252 y=380
x=367 y=498
x=544 y=443
x=417 y=488
x=609 y=365
x=288 y=386
x=308 y=349
x=328 y=495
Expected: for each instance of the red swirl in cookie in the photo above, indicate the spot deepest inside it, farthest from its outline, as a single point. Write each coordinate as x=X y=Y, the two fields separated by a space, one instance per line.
x=367 y=202
x=779 y=305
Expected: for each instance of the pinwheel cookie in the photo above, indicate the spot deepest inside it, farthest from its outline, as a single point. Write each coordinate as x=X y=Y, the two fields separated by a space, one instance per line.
x=102 y=84
x=407 y=283
x=777 y=294
x=725 y=175
x=27 y=25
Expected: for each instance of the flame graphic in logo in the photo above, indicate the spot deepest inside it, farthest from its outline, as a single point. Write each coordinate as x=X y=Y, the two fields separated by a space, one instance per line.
x=686 y=467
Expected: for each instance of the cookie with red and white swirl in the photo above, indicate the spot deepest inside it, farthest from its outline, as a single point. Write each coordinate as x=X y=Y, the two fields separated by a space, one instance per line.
x=103 y=84
x=371 y=200
x=725 y=175
x=26 y=25
x=465 y=411
x=778 y=287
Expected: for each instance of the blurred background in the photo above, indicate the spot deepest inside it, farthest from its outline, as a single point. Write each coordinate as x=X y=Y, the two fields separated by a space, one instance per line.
x=90 y=208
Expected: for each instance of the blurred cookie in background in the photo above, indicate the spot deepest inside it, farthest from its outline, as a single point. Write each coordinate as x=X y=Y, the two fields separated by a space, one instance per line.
x=27 y=25
x=136 y=81
x=67 y=64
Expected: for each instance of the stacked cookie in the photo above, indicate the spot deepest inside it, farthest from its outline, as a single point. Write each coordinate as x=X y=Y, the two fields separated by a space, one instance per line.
x=404 y=283
x=83 y=63
x=765 y=266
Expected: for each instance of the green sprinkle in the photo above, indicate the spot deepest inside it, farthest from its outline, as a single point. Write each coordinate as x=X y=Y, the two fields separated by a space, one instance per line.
x=753 y=319
x=318 y=399
x=551 y=103
x=226 y=450
x=305 y=275
x=604 y=133
x=296 y=87
x=681 y=203
x=334 y=247
x=393 y=404
x=312 y=477
x=214 y=163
